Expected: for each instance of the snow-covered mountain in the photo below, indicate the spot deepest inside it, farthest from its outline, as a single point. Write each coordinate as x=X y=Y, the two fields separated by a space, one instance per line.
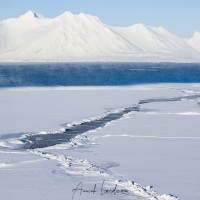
x=83 y=37
x=195 y=41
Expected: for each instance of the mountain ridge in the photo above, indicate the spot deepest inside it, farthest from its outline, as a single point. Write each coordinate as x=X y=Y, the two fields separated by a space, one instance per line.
x=83 y=37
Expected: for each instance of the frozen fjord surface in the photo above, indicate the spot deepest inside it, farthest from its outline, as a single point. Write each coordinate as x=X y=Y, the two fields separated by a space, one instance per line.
x=134 y=162
x=162 y=148
x=44 y=109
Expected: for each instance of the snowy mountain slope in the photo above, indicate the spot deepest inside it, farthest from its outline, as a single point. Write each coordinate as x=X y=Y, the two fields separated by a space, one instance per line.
x=151 y=39
x=67 y=36
x=83 y=37
x=195 y=41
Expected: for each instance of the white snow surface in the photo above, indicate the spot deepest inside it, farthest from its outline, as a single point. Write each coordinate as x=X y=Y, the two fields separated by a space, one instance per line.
x=195 y=41
x=157 y=146
x=83 y=37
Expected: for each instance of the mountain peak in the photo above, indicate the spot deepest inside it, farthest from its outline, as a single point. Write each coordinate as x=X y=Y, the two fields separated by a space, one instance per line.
x=196 y=35
x=31 y=15
x=140 y=26
x=68 y=14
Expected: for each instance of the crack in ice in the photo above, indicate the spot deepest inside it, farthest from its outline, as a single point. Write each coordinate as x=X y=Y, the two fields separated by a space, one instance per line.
x=74 y=132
